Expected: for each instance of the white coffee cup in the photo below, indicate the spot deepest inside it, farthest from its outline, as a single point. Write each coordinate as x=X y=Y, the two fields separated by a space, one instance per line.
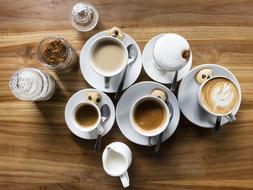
x=89 y=128
x=229 y=115
x=156 y=131
x=170 y=63
x=113 y=72
x=117 y=158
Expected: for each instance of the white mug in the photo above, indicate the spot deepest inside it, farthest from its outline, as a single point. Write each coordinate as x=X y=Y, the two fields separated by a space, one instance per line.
x=156 y=131
x=117 y=158
x=229 y=115
x=114 y=72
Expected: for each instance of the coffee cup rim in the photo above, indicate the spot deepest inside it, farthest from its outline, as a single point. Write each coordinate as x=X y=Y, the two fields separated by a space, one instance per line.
x=200 y=90
x=76 y=125
x=156 y=131
x=169 y=70
x=107 y=74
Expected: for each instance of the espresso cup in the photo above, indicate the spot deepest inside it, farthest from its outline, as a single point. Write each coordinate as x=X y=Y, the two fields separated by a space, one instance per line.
x=219 y=96
x=108 y=56
x=149 y=115
x=86 y=116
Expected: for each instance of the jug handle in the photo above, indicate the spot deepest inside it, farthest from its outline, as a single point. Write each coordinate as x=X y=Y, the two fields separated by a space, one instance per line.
x=124 y=179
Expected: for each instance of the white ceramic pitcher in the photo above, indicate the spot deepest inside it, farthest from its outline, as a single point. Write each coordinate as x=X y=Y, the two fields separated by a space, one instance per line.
x=117 y=158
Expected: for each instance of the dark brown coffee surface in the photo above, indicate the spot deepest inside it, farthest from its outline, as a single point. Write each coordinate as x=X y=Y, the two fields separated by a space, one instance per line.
x=86 y=115
x=149 y=115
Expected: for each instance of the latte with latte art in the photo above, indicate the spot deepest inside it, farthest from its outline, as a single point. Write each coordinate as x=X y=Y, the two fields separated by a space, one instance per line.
x=219 y=96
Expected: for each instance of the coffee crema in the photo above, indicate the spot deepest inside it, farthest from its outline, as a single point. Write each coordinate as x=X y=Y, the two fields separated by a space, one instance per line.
x=108 y=56
x=149 y=115
x=219 y=96
x=86 y=115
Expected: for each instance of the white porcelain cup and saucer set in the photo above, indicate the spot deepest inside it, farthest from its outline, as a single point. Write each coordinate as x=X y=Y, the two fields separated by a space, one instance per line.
x=167 y=58
x=83 y=113
x=144 y=130
x=210 y=96
x=107 y=75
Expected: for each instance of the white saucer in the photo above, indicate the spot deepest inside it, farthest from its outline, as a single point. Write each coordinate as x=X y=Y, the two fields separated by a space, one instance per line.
x=188 y=97
x=150 y=68
x=124 y=105
x=96 y=80
x=79 y=97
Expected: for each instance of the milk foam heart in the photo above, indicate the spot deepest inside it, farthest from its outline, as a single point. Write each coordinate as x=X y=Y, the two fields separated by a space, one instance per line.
x=169 y=50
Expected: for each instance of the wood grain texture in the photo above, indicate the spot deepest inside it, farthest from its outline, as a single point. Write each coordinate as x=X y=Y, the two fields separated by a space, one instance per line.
x=37 y=151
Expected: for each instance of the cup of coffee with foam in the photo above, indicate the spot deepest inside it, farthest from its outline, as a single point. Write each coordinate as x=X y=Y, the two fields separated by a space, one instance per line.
x=149 y=115
x=108 y=56
x=86 y=115
x=171 y=52
x=219 y=96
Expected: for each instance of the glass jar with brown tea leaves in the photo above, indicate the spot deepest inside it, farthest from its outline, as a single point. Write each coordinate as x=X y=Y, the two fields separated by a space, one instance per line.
x=56 y=54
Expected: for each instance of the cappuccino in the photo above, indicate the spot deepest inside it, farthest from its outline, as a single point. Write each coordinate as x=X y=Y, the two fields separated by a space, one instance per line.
x=219 y=96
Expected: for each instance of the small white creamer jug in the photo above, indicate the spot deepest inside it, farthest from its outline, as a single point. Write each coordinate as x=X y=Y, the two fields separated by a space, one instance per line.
x=117 y=158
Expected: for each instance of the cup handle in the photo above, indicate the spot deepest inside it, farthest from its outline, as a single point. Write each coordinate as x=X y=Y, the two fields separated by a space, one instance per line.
x=174 y=83
x=124 y=178
x=217 y=126
x=230 y=117
x=149 y=141
x=153 y=140
x=107 y=81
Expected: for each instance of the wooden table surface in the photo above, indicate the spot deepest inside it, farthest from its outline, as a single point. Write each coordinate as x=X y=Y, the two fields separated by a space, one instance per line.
x=37 y=151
